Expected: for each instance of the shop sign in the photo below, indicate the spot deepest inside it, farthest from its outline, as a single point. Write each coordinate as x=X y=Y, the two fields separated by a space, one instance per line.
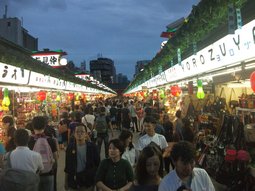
x=231 y=49
x=41 y=80
x=12 y=74
x=52 y=59
x=85 y=77
x=157 y=80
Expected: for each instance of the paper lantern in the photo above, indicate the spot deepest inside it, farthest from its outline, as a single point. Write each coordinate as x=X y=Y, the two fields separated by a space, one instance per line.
x=252 y=80
x=41 y=95
x=200 y=91
x=58 y=98
x=70 y=96
x=162 y=93
x=175 y=90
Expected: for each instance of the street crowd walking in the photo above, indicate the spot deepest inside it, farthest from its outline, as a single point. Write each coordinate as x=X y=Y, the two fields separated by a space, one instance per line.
x=162 y=158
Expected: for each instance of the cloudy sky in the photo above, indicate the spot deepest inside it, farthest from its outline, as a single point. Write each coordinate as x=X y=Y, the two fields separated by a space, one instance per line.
x=124 y=30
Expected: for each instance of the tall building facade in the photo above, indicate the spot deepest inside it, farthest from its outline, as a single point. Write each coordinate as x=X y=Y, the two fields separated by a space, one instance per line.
x=103 y=70
x=12 y=30
x=122 y=79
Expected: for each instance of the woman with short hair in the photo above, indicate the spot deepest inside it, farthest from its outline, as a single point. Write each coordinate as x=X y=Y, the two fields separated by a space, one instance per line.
x=114 y=173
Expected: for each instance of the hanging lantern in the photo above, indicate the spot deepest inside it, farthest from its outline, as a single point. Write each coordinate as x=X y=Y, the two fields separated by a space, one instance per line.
x=175 y=90
x=77 y=97
x=70 y=96
x=252 y=80
x=162 y=93
x=41 y=95
x=6 y=101
x=145 y=94
x=200 y=91
x=83 y=96
x=58 y=98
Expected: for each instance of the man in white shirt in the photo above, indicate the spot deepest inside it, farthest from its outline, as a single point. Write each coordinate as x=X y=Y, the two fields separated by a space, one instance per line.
x=185 y=176
x=22 y=157
x=149 y=124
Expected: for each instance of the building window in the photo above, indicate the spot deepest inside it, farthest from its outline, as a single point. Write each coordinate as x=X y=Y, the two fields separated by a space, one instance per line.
x=8 y=24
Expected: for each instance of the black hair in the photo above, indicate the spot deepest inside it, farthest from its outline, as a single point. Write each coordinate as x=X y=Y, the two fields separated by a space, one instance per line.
x=65 y=115
x=21 y=137
x=149 y=119
x=8 y=119
x=183 y=150
x=83 y=125
x=39 y=123
x=124 y=135
x=178 y=114
x=118 y=144
x=148 y=151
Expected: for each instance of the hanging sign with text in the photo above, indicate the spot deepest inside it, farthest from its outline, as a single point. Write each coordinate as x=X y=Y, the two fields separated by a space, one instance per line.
x=12 y=74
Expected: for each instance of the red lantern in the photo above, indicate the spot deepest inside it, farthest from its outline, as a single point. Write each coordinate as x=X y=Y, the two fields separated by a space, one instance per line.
x=175 y=90
x=41 y=95
x=70 y=96
x=252 y=80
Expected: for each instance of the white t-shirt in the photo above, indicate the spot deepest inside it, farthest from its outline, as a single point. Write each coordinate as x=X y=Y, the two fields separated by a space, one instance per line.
x=200 y=181
x=145 y=140
x=24 y=159
x=130 y=156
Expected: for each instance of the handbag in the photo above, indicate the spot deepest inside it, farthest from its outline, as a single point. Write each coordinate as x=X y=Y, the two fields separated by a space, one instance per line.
x=249 y=133
x=233 y=103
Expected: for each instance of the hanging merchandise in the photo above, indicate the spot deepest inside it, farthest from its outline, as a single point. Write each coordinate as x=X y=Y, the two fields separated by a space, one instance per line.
x=58 y=98
x=145 y=94
x=252 y=80
x=175 y=90
x=53 y=95
x=6 y=101
x=154 y=94
x=70 y=96
x=162 y=93
x=200 y=91
x=41 y=95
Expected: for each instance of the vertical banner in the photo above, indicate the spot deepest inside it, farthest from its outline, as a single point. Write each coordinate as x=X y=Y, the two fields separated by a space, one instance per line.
x=231 y=19
x=194 y=45
x=239 y=19
x=179 y=56
x=160 y=69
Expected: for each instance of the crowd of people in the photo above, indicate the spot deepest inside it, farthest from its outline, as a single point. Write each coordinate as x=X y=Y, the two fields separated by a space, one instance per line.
x=163 y=158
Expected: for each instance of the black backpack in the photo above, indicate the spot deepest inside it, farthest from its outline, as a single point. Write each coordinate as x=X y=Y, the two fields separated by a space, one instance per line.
x=18 y=180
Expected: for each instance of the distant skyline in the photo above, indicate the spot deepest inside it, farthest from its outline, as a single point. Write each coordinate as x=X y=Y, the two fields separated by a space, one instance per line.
x=124 y=31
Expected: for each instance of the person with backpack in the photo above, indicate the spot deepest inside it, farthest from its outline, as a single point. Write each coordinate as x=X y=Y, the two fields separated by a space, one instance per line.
x=47 y=147
x=102 y=124
x=23 y=166
x=88 y=120
x=82 y=160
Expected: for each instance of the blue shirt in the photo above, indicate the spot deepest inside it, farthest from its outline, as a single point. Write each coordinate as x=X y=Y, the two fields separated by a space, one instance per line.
x=2 y=149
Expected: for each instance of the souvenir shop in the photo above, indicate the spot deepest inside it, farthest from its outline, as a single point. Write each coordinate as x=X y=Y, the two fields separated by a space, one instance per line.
x=215 y=88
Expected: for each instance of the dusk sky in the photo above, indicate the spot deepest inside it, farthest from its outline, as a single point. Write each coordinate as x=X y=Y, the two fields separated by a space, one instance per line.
x=123 y=30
